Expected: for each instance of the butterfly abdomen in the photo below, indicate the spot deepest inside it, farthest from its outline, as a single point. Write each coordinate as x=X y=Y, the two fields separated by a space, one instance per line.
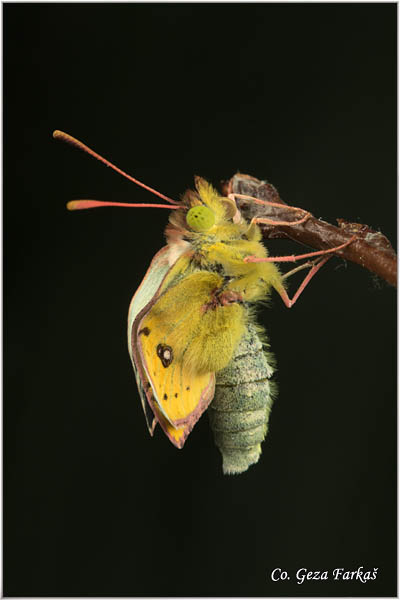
x=240 y=409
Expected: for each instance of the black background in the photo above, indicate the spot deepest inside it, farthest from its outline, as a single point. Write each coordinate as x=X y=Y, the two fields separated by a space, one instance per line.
x=303 y=95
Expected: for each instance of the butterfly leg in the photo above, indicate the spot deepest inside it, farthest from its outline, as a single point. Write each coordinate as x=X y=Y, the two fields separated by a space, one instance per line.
x=306 y=265
x=265 y=220
x=289 y=302
x=325 y=256
x=221 y=297
x=296 y=257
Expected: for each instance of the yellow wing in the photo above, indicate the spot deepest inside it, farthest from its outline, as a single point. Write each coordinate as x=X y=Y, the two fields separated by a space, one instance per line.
x=182 y=340
x=179 y=434
x=176 y=389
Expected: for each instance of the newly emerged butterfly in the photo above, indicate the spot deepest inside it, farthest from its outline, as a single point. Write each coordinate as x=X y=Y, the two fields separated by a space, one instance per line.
x=192 y=334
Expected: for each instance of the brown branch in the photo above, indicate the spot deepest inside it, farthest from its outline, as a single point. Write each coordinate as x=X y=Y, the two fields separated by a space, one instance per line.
x=372 y=250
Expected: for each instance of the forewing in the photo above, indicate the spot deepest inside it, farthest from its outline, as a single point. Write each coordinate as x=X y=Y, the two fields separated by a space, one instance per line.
x=166 y=336
x=171 y=395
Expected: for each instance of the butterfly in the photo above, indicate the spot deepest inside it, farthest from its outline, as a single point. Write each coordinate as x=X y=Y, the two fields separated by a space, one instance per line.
x=193 y=337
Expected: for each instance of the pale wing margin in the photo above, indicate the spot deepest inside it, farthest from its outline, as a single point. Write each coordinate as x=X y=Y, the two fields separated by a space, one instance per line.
x=144 y=295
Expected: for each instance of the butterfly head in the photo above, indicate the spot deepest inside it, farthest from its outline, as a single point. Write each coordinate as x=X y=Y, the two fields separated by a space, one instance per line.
x=204 y=213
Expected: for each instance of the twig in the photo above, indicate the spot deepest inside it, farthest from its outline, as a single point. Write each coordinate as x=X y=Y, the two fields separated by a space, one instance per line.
x=371 y=249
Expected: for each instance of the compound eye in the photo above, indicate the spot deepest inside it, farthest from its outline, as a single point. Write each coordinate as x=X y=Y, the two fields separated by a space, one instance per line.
x=200 y=218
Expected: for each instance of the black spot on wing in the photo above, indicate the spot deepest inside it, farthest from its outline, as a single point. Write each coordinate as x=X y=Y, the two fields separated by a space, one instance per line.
x=144 y=331
x=165 y=354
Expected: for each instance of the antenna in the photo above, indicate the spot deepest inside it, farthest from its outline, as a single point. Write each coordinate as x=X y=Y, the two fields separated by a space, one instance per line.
x=82 y=204
x=65 y=137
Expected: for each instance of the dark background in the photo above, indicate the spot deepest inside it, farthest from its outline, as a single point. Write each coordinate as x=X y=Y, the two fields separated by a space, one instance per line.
x=303 y=95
